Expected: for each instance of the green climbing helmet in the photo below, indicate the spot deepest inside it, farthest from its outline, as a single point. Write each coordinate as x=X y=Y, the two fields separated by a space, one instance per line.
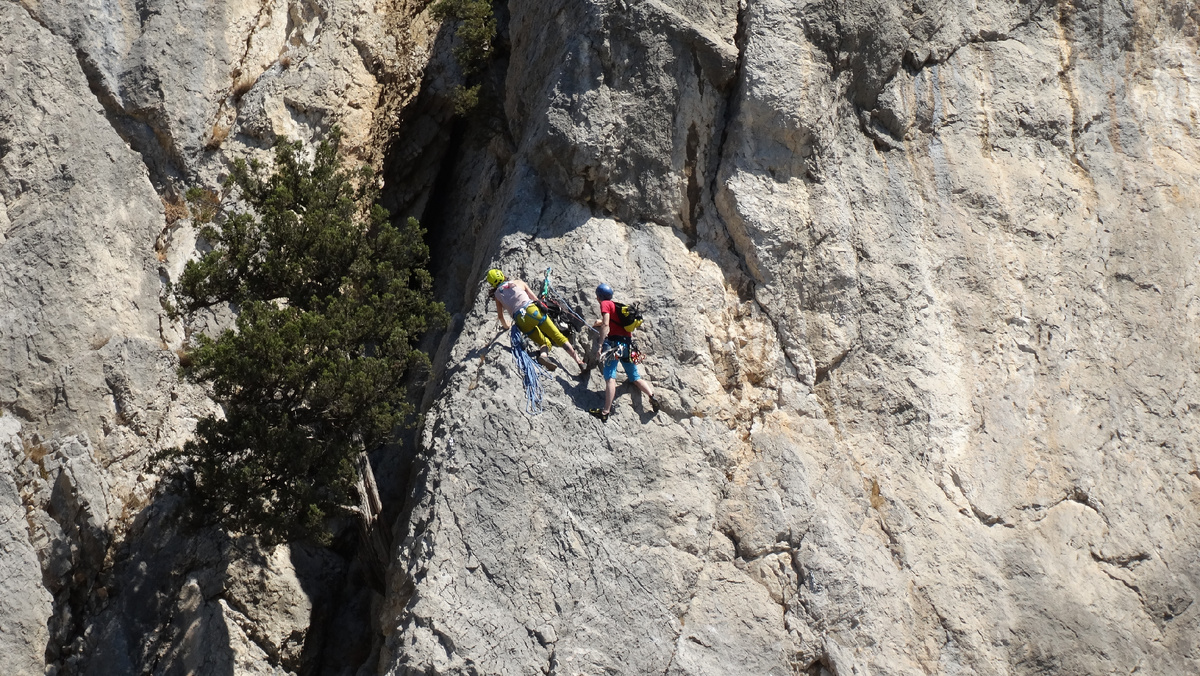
x=494 y=277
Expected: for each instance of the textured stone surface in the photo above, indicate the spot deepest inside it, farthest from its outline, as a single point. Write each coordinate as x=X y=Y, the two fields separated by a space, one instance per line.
x=193 y=601
x=80 y=212
x=106 y=112
x=191 y=85
x=24 y=603
x=79 y=304
x=921 y=287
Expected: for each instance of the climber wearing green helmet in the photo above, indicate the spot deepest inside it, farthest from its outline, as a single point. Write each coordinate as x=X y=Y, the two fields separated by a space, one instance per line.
x=516 y=297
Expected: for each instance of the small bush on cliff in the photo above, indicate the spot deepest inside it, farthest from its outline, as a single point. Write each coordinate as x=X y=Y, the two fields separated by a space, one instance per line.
x=465 y=99
x=330 y=299
x=476 y=30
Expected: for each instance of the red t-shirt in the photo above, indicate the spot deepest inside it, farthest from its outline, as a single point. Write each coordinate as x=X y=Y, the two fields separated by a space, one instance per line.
x=614 y=322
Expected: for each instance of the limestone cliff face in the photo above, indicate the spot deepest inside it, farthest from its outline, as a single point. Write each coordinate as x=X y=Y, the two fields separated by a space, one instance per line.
x=921 y=280
x=107 y=111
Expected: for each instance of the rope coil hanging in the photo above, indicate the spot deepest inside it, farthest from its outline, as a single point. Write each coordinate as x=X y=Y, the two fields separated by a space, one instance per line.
x=532 y=373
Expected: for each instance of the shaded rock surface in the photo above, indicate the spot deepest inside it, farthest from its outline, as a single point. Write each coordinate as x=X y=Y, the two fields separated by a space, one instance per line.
x=920 y=280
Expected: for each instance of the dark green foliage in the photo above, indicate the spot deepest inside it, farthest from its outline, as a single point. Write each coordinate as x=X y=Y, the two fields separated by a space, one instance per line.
x=331 y=298
x=476 y=30
x=465 y=99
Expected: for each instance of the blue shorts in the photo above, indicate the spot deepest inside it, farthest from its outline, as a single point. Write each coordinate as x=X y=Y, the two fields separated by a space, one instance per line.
x=621 y=355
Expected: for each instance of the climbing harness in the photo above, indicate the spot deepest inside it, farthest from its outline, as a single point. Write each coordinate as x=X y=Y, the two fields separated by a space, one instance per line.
x=528 y=311
x=532 y=373
x=621 y=347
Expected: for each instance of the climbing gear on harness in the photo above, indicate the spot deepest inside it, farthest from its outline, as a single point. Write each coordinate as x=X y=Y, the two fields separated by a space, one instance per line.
x=619 y=347
x=600 y=414
x=574 y=326
x=495 y=277
x=624 y=341
x=628 y=316
x=604 y=291
x=532 y=373
x=611 y=352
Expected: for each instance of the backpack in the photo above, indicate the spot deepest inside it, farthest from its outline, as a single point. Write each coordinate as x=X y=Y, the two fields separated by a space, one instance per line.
x=628 y=316
x=561 y=313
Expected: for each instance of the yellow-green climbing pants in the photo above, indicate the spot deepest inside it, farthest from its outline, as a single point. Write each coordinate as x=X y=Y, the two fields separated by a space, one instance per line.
x=540 y=328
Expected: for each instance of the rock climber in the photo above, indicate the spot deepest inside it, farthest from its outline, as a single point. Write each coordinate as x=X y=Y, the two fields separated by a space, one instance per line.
x=516 y=297
x=617 y=343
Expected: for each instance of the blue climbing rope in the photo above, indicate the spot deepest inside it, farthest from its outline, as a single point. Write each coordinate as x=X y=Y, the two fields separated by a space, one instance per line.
x=532 y=373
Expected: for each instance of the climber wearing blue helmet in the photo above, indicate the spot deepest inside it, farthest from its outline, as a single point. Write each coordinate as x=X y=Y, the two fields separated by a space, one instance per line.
x=615 y=323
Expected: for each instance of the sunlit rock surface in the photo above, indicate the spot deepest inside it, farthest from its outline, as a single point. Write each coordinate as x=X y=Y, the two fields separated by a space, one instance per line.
x=921 y=287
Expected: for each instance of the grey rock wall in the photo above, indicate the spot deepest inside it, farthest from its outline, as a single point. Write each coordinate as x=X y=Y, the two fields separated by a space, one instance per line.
x=79 y=297
x=190 y=85
x=24 y=603
x=920 y=280
x=107 y=112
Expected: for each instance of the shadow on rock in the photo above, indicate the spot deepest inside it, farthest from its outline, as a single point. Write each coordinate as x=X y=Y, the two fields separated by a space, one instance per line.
x=186 y=599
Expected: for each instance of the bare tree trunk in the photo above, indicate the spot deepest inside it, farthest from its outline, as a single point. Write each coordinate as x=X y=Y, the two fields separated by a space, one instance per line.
x=375 y=540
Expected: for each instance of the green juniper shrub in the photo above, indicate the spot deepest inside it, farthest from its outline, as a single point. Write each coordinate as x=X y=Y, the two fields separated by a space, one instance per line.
x=476 y=30
x=330 y=299
x=466 y=99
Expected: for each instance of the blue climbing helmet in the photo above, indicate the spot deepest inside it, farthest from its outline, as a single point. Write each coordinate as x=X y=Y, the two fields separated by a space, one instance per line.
x=604 y=291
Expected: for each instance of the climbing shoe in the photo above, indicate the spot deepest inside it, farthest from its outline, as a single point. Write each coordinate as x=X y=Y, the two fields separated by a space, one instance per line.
x=544 y=361
x=599 y=414
x=654 y=403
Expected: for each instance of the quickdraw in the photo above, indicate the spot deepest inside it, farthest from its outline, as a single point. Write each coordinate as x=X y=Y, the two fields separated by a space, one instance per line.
x=621 y=349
